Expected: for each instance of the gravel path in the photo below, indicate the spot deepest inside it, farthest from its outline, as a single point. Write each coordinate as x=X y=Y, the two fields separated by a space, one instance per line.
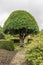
x=19 y=58
x=12 y=58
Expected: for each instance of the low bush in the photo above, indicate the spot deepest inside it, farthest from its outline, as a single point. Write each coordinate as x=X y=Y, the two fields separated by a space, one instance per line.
x=6 y=44
x=17 y=47
x=34 y=51
x=9 y=37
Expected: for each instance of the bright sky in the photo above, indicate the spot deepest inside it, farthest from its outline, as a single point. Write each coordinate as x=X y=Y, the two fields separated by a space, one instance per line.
x=35 y=7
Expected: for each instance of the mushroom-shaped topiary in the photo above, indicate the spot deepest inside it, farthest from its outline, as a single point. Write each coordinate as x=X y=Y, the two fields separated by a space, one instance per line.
x=22 y=23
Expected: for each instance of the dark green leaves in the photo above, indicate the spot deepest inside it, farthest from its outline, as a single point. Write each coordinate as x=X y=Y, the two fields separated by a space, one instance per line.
x=21 y=19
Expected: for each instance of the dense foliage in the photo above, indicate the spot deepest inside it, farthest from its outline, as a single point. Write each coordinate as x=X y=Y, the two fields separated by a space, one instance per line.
x=34 y=52
x=19 y=20
x=6 y=44
x=1 y=33
x=22 y=23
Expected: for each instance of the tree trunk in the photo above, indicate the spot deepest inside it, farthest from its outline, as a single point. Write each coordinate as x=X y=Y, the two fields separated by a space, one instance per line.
x=21 y=41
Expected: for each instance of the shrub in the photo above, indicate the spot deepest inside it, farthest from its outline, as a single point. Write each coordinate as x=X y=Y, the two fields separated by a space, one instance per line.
x=17 y=47
x=7 y=44
x=1 y=33
x=9 y=37
x=34 y=52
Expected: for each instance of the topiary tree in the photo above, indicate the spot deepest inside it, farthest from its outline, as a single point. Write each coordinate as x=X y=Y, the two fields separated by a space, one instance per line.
x=22 y=23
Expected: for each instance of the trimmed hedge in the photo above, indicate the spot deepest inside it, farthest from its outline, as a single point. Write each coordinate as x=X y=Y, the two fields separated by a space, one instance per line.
x=7 y=44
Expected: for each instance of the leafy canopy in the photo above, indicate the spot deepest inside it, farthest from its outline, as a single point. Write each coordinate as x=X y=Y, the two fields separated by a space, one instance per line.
x=20 y=19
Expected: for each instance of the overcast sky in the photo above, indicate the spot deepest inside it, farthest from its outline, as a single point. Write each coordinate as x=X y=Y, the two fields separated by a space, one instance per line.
x=35 y=7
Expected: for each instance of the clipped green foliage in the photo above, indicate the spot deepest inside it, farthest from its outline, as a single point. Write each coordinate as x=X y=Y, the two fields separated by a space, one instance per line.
x=7 y=44
x=34 y=52
x=22 y=23
x=20 y=19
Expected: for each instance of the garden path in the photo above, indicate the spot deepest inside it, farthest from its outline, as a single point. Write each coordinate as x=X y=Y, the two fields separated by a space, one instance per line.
x=19 y=58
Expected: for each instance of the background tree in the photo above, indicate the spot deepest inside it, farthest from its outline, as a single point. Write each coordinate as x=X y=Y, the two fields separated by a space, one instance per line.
x=1 y=33
x=22 y=23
